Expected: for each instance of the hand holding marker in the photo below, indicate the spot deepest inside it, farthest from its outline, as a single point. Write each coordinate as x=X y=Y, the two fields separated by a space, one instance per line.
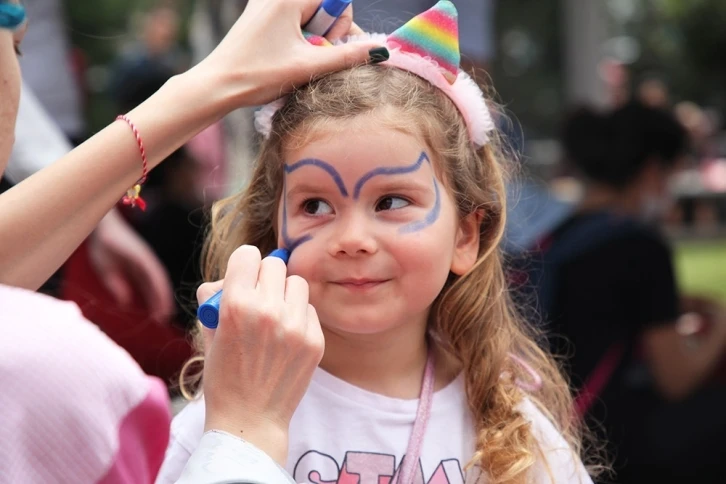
x=208 y=312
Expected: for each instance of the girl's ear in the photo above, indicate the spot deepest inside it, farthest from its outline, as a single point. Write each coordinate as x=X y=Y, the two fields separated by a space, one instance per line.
x=466 y=249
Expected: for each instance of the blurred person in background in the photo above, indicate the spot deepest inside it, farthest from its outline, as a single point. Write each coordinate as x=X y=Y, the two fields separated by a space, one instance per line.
x=653 y=92
x=605 y=287
x=153 y=54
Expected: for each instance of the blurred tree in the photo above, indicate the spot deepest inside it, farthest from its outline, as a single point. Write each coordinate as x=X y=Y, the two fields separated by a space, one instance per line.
x=685 y=42
x=528 y=70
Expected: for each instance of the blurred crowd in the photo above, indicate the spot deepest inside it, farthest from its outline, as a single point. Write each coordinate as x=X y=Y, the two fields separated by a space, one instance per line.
x=594 y=269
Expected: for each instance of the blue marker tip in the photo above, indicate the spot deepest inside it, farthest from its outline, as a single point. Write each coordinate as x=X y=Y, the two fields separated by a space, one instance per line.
x=282 y=254
x=208 y=312
x=335 y=8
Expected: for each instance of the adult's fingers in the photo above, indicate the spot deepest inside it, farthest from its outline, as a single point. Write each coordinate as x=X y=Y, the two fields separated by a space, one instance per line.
x=208 y=289
x=271 y=282
x=243 y=269
x=297 y=293
x=341 y=26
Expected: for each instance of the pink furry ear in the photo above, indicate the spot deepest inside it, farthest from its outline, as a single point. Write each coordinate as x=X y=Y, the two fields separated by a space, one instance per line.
x=464 y=92
x=428 y=46
x=264 y=115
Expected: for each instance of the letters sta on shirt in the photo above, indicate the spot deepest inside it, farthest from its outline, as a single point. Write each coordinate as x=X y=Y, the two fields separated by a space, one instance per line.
x=372 y=468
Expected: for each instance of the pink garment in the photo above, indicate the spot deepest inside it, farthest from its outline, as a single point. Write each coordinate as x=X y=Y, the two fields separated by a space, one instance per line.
x=74 y=406
x=208 y=148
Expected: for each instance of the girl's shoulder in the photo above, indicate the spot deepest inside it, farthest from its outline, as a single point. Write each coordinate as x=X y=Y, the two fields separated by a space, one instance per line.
x=557 y=462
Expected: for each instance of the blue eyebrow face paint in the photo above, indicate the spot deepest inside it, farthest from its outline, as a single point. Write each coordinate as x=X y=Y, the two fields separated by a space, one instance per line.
x=208 y=312
x=330 y=170
x=327 y=167
x=431 y=217
x=393 y=170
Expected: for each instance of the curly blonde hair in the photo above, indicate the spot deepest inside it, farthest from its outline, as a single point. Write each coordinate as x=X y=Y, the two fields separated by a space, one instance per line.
x=473 y=319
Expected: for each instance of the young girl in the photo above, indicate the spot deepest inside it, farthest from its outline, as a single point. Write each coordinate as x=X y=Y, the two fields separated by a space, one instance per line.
x=385 y=183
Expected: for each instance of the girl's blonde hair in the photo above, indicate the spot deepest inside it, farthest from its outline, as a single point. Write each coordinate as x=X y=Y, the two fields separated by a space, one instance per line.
x=473 y=319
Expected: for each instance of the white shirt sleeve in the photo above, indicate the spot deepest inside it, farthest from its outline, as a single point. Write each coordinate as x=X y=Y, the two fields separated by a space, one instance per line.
x=222 y=458
x=38 y=140
x=187 y=430
x=559 y=464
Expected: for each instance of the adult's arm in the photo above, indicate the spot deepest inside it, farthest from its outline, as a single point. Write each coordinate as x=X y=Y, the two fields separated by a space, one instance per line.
x=46 y=217
x=681 y=364
x=222 y=458
x=119 y=255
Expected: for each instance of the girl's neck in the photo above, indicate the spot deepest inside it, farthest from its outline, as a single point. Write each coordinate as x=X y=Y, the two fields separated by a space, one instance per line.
x=390 y=363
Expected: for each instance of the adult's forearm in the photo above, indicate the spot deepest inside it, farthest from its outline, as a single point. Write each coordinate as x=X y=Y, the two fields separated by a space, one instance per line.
x=46 y=217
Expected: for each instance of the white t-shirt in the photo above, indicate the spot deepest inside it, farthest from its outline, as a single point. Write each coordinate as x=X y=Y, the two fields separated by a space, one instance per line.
x=340 y=429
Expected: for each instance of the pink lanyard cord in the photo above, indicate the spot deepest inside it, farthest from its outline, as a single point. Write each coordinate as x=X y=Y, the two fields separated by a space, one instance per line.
x=423 y=412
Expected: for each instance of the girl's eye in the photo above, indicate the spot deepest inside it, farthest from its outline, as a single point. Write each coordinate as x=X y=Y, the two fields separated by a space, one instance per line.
x=316 y=207
x=391 y=203
x=17 y=50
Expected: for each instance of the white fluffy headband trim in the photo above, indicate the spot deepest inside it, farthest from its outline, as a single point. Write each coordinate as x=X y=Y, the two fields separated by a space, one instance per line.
x=464 y=92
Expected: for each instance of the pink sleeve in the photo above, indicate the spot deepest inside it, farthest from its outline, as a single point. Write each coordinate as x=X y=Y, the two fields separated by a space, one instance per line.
x=143 y=436
x=75 y=406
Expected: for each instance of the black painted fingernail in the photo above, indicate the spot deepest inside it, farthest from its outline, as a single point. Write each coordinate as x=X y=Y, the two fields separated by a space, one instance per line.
x=379 y=54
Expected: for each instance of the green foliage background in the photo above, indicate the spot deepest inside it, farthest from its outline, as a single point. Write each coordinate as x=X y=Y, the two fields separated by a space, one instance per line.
x=682 y=40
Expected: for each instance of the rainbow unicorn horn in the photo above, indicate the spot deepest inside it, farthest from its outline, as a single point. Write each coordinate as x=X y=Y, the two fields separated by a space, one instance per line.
x=433 y=34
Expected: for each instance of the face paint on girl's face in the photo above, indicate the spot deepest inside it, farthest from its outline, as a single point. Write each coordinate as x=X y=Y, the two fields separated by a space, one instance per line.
x=374 y=230
x=430 y=218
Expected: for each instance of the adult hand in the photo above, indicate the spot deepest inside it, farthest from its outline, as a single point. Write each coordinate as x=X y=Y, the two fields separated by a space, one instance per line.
x=260 y=359
x=265 y=55
x=125 y=263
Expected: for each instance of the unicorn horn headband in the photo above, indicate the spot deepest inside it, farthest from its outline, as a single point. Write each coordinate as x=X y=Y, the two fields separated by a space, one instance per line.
x=428 y=46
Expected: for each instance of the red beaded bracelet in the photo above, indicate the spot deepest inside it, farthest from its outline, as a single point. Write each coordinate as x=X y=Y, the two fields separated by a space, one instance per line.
x=133 y=194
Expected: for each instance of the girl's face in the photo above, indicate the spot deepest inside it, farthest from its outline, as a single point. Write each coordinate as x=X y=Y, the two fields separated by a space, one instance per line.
x=9 y=89
x=374 y=230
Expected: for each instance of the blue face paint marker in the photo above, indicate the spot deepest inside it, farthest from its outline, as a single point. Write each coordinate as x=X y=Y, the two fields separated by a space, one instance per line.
x=430 y=218
x=392 y=170
x=326 y=15
x=208 y=312
x=322 y=165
